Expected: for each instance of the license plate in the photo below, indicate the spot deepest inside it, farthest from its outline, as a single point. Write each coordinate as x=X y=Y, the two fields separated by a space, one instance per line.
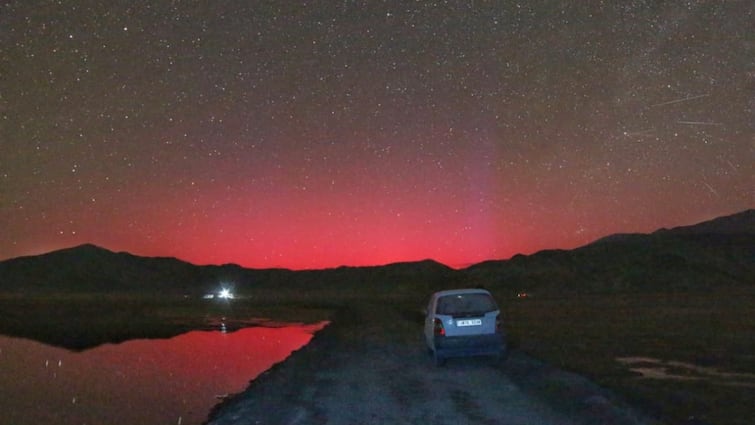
x=470 y=322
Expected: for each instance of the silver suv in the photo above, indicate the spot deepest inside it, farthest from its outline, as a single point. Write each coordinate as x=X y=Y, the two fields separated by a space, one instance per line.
x=463 y=322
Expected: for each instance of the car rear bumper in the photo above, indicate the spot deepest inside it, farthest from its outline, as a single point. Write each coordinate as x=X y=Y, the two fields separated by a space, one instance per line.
x=473 y=345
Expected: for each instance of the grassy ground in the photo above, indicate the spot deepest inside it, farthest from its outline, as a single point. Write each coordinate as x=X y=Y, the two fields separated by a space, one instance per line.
x=586 y=334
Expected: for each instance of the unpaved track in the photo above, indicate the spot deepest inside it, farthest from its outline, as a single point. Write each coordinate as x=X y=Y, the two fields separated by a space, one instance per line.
x=357 y=371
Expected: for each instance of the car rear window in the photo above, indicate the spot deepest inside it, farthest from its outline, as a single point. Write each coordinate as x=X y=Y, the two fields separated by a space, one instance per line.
x=466 y=304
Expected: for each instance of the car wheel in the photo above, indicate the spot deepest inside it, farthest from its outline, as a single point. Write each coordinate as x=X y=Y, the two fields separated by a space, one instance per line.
x=439 y=360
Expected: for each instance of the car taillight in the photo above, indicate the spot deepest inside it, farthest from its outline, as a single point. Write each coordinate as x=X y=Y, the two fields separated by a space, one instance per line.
x=438 y=328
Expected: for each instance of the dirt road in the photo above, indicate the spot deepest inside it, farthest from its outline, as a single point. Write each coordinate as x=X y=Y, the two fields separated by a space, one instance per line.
x=370 y=367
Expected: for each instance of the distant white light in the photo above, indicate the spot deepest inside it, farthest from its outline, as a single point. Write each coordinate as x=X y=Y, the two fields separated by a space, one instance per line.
x=225 y=293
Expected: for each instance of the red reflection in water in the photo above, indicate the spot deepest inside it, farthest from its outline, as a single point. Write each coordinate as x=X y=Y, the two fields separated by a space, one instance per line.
x=169 y=381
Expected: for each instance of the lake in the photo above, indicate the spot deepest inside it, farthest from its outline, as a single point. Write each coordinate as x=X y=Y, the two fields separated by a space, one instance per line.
x=145 y=381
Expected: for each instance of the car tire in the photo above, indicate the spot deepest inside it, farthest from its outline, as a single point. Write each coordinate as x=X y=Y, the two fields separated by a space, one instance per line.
x=439 y=360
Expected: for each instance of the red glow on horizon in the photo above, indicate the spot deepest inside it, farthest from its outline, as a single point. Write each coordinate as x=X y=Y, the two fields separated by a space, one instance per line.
x=309 y=234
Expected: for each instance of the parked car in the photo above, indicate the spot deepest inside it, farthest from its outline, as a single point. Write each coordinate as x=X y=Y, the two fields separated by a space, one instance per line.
x=463 y=322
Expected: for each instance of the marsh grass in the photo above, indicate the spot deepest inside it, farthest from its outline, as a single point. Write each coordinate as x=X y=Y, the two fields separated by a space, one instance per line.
x=586 y=334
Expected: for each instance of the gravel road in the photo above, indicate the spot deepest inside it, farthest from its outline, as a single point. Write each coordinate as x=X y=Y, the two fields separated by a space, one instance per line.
x=370 y=367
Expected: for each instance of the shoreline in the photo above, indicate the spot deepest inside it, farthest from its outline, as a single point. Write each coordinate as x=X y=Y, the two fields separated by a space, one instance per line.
x=282 y=376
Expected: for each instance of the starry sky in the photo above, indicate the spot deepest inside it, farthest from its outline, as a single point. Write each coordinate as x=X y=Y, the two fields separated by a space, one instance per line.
x=314 y=134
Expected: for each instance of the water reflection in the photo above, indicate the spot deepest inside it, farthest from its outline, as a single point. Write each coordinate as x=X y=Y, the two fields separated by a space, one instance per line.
x=166 y=381
x=652 y=368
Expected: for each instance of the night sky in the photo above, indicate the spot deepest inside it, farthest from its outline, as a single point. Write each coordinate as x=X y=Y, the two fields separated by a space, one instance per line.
x=324 y=133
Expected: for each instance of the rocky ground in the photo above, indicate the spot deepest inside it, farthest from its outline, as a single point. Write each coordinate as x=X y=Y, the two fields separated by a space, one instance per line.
x=370 y=367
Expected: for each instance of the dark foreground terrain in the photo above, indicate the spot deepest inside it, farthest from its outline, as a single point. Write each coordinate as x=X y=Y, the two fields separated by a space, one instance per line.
x=370 y=367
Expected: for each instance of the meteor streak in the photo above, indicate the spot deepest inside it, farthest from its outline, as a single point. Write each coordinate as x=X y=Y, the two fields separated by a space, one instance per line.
x=698 y=123
x=710 y=188
x=684 y=99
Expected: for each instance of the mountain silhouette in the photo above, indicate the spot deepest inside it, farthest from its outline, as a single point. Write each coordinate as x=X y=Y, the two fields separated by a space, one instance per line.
x=719 y=252
x=705 y=255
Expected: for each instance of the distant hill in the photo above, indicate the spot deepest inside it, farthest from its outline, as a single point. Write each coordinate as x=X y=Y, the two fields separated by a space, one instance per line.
x=736 y=224
x=92 y=269
x=89 y=268
x=719 y=252
x=706 y=255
